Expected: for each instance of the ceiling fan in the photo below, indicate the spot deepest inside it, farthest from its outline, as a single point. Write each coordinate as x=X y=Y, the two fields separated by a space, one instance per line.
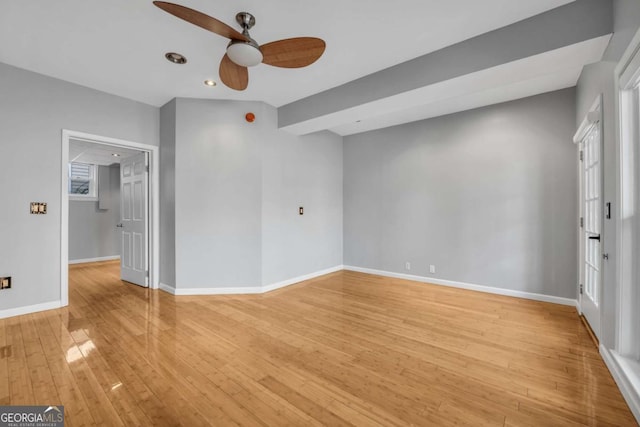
x=243 y=51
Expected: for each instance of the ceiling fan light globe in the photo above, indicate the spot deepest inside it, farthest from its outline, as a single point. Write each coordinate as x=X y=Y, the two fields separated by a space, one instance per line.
x=244 y=54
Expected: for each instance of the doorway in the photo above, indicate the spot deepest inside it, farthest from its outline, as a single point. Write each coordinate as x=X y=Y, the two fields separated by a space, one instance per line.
x=108 y=207
x=589 y=139
x=138 y=244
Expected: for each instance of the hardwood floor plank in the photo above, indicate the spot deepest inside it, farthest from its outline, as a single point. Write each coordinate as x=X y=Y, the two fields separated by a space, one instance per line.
x=320 y=412
x=5 y=352
x=20 y=385
x=339 y=350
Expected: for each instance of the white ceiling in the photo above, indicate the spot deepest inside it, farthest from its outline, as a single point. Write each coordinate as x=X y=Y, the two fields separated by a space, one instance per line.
x=97 y=154
x=118 y=46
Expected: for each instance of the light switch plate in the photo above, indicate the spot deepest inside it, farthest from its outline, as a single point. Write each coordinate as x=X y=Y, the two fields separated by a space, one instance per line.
x=38 y=208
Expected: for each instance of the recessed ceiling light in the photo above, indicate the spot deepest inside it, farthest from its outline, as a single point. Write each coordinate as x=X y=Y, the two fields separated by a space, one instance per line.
x=116 y=155
x=210 y=83
x=176 y=58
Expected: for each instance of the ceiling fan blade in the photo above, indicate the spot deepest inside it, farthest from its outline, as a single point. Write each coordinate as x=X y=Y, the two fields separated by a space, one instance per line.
x=233 y=75
x=201 y=20
x=293 y=53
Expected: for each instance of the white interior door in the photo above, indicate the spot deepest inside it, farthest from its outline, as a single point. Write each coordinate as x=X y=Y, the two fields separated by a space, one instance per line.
x=134 y=185
x=592 y=227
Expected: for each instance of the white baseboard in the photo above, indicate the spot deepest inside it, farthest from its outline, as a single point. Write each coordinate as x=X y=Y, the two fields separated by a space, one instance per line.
x=288 y=282
x=624 y=381
x=468 y=286
x=167 y=288
x=244 y=290
x=98 y=259
x=19 y=311
x=240 y=290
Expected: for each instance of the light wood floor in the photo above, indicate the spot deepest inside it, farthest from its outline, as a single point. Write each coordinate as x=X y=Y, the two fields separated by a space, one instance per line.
x=344 y=349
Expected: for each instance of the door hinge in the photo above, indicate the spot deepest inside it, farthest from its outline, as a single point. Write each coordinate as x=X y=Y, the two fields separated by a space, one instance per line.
x=605 y=257
x=581 y=222
x=581 y=155
x=581 y=288
x=147 y=168
x=146 y=274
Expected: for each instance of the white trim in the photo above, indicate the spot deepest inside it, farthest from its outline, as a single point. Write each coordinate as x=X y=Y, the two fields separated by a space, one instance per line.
x=468 y=286
x=593 y=116
x=624 y=316
x=77 y=198
x=616 y=365
x=169 y=289
x=240 y=290
x=243 y=290
x=288 y=282
x=64 y=222
x=98 y=259
x=628 y=55
x=19 y=311
x=154 y=201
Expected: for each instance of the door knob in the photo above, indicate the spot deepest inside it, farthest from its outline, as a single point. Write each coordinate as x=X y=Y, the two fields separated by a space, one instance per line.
x=119 y=225
x=595 y=237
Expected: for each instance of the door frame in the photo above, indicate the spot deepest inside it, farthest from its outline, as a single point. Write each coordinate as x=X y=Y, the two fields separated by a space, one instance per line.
x=595 y=114
x=154 y=205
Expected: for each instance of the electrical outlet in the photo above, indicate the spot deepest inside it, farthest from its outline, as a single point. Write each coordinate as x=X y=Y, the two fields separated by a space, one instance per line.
x=432 y=269
x=5 y=282
x=407 y=266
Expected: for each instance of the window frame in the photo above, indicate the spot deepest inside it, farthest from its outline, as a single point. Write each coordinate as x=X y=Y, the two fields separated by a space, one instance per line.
x=92 y=196
x=627 y=91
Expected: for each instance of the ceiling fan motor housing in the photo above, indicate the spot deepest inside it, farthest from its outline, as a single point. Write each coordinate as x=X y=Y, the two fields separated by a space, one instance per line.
x=246 y=54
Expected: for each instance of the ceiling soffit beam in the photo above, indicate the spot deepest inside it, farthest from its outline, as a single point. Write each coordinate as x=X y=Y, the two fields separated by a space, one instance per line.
x=566 y=25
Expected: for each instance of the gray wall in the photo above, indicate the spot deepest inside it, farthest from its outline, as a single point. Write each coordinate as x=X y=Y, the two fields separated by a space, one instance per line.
x=301 y=171
x=33 y=111
x=218 y=193
x=487 y=196
x=598 y=79
x=626 y=21
x=168 y=194
x=238 y=187
x=92 y=231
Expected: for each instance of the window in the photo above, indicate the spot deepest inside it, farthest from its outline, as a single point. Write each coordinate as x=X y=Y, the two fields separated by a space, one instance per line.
x=629 y=228
x=82 y=181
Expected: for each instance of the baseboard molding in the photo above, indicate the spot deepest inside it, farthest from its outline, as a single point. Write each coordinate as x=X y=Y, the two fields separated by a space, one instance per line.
x=289 y=282
x=169 y=289
x=468 y=286
x=245 y=290
x=240 y=290
x=624 y=382
x=19 y=311
x=98 y=259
